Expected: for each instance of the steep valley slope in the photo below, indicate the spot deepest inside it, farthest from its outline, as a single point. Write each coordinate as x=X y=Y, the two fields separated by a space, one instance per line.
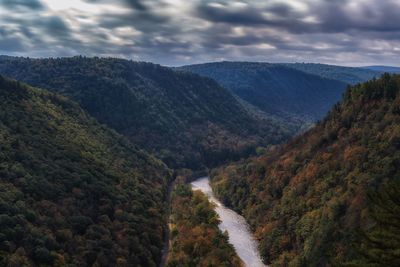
x=309 y=201
x=73 y=192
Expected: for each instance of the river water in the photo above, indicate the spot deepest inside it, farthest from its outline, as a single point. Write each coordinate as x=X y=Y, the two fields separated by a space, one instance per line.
x=239 y=232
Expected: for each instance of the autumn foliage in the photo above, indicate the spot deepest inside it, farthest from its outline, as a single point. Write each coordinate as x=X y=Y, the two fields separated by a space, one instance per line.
x=307 y=201
x=195 y=237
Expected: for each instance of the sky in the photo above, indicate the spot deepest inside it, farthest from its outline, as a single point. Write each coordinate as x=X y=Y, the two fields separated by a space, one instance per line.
x=179 y=32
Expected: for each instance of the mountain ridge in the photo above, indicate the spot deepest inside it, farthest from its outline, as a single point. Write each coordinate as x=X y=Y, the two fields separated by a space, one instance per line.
x=383 y=68
x=275 y=88
x=184 y=119
x=348 y=75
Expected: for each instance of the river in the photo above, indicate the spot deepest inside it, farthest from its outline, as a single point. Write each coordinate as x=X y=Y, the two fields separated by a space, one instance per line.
x=239 y=232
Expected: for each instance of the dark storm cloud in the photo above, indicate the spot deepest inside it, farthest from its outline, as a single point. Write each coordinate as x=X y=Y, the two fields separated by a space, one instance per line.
x=12 y=4
x=139 y=15
x=140 y=20
x=277 y=15
x=281 y=9
x=9 y=42
x=55 y=26
x=181 y=31
x=331 y=16
x=369 y=16
x=137 y=4
x=52 y=26
x=248 y=16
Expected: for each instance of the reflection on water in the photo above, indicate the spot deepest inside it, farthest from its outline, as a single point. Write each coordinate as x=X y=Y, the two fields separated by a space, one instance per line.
x=239 y=233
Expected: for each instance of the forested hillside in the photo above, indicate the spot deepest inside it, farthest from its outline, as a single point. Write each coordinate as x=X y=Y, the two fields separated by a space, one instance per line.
x=348 y=75
x=276 y=89
x=184 y=119
x=72 y=192
x=313 y=201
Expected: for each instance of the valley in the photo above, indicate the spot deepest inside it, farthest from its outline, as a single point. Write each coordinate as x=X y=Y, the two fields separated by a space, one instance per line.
x=185 y=120
x=119 y=147
x=205 y=133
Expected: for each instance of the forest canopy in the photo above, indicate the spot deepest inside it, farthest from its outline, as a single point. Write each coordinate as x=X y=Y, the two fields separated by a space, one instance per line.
x=307 y=201
x=73 y=192
x=184 y=119
x=196 y=239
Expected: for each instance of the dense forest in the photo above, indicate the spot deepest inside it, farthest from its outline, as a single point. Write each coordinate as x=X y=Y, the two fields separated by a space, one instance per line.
x=330 y=196
x=196 y=239
x=184 y=119
x=73 y=192
x=276 y=89
x=380 y=244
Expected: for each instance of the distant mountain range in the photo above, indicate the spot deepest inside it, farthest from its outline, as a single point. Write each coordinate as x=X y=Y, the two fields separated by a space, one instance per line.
x=348 y=75
x=383 y=69
x=275 y=88
x=305 y=91
x=184 y=119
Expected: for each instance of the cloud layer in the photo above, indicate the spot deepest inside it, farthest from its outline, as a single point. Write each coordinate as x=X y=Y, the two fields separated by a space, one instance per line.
x=175 y=32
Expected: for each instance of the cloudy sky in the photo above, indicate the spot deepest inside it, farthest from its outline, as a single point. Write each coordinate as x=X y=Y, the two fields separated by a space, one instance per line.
x=177 y=32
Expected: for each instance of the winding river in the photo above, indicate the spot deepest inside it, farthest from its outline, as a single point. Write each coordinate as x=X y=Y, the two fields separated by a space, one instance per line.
x=239 y=232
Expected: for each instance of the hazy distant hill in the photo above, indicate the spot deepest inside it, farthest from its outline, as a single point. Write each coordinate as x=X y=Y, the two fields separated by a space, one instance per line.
x=274 y=88
x=73 y=192
x=330 y=195
x=389 y=69
x=349 y=75
x=186 y=120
